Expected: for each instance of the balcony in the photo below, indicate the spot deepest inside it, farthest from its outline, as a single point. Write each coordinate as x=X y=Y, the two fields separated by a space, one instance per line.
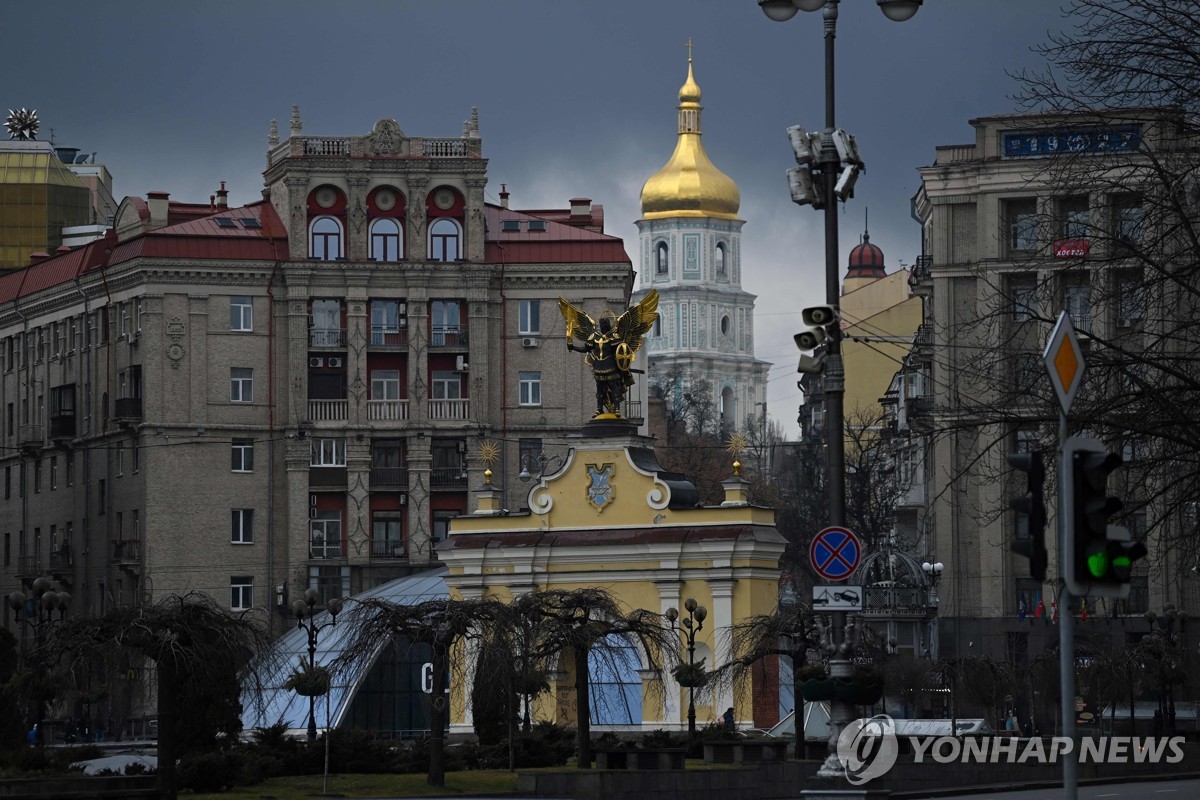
x=31 y=435
x=29 y=567
x=441 y=410
x=327 y=478
x=62 y=425
x=61 y=560
x=126 y=551
x=327 y=410
x=387 y=410
x=319 y=548
x=447 y=477
x=127 y=408
x=448 y=336
x=326 y=337
x=388 y=548
x=389 y=478
x=384 y=337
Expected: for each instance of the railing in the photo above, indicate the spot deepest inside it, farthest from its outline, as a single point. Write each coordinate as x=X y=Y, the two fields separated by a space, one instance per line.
x=319 y=548
x=448 y=337
x=387 y=410
x=444 y=148
x=919 y=406
x=633 y=409
x=388 y=548
x=450 y=409
x=126 y=551
x=60 y=559
x=327 y=146
x=127 y=408
x=28 y=566
x=447 y=476
x=924 y=334
x=326 y=337
x=327 y=410
x=885 y=599
x=384 y=336
x=30 y=434
x=389 y=477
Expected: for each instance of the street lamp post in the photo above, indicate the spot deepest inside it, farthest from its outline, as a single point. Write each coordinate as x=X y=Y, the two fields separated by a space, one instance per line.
x=834 y=374
x=534 y=465
x=692 y=624
x=305 y=611
x=36 y=611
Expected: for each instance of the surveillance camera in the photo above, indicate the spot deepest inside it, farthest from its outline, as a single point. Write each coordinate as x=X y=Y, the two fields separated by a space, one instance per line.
x=810 y=339
x=804 y=145
x=800 y=183
x=820 y=316
x=844 y=189
x=811 y=365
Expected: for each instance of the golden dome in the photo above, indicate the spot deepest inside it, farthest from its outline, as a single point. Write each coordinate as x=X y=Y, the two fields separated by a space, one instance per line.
x=689 y=185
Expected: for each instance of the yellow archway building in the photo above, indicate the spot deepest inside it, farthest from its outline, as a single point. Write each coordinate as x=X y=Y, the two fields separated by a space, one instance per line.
x=611 y=517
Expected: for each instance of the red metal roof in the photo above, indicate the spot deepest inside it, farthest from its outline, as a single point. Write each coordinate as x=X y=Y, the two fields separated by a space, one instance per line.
x=558 y=243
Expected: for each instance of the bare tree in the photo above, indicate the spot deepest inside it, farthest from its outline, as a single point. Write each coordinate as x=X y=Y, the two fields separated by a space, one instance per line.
x=202 y=652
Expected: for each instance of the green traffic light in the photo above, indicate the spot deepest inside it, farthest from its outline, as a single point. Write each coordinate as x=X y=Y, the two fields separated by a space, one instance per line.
x=1122 y=562
x=1098 y=564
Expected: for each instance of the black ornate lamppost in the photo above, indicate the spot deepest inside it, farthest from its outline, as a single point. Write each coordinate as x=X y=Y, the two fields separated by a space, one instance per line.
x=837 y=180
x=692 y=624
x=37 y=610
x=534 y=465
x=305 y=611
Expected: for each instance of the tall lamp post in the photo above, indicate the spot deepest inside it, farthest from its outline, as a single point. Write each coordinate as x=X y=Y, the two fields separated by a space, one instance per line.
x=305 y=611
x=692 y=624
x=829 y=162
x=36 y=611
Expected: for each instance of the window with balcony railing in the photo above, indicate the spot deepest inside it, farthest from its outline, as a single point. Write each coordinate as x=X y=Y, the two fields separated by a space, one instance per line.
x=448 y=466
x=389 y=323
x=387 y=535
x=388 y=469
x=325 y=529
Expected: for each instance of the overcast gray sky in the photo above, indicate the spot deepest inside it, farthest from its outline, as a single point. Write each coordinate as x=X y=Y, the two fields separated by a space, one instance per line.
x=575 y=98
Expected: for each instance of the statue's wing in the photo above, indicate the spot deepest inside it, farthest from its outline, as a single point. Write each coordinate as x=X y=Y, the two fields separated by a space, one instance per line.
x=579 y=324
x=637 y=321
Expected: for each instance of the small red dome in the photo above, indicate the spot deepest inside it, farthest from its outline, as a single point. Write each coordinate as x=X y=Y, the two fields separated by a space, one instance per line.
x=866 y=260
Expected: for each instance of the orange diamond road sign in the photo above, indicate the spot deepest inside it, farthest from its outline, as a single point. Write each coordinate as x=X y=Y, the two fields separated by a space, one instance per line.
x=1064 y=360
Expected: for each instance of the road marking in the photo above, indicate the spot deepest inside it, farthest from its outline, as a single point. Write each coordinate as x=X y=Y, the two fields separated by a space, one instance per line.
x=1114 y=794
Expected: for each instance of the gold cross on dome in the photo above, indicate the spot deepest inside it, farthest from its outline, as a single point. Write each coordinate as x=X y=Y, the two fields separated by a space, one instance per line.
x=689 y=47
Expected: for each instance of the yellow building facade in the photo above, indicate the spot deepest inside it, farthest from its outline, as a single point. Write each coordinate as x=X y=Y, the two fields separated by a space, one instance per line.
x=611 y=517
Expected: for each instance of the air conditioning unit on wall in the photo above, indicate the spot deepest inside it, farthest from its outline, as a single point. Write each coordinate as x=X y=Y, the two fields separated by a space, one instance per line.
x=460 y=364
x=335 y=361
x=316 y=361
x=529 y=341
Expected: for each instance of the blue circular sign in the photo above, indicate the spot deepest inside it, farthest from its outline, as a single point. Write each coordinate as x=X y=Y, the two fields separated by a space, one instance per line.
x=834 y=553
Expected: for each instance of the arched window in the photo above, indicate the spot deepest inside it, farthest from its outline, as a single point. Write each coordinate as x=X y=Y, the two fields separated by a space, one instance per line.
x=387 y=243
x=660 y=258
x=719 y=258
x=443 y=240
x=614 y=683
x=325 y=241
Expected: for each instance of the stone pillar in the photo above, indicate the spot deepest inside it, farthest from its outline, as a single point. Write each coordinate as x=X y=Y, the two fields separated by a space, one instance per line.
x=198 y=358
x=418 y=356
x=415 y=246
x=356 y=219
x=475 y=220
x=295 y=534
x=295 y=216
x=668 y=594
x=722 y=619
x=358 y=502
x=358 y=379
x=419 y=531
x=295 y=340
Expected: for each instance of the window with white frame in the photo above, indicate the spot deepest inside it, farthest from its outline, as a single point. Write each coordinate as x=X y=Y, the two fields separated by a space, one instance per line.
x=530 y=388
x=328 y=453
x=720 y=258
x=447 y=385
x=446 y=322
x=326 y=534
x=1127 y=220
x=530 y=317
x=60 y=339
x=241 y=593
x=385 y=384
x=1022 y=224
x=137 y=314
x=330 y=583
x=120 y=458
x=386 y=240
x=242 y=458
x=1131 y=300
x=444 y=240
x=388 y=321
x=76 y=334
x=242 y=530
x=123 y=317
x=661 y=264
x=325 y=239
x=241 y=313
x=1024 y=300
x=1077 y=299
x=241 y=385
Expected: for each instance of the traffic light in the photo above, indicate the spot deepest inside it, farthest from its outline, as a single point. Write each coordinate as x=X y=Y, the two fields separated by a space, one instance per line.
x=1099 y=557
x=1033 y=506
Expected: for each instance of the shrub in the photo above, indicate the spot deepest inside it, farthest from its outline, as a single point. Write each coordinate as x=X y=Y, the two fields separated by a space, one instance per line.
x=660 y=739
x=211 y=771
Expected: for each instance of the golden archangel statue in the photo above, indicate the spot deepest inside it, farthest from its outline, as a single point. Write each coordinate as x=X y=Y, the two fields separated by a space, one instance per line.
x=609 y=347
